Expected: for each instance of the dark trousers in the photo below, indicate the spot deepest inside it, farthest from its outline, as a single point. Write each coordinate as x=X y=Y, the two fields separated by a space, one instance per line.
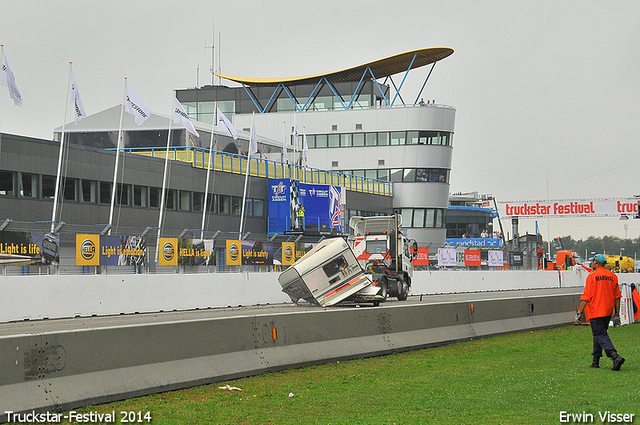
x=601 y=340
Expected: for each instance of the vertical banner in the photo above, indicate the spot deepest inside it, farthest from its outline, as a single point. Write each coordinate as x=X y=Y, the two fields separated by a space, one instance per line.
x=472 y=258
x=87 y=250
x=168 y=252
x=288 y=253
x=422 y=256
x=460 y=256
x=234 y=253
x=446 y=257
x=495 y=258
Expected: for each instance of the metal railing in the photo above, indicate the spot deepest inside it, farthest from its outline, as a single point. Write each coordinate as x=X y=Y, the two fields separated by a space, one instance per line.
x=266 y=168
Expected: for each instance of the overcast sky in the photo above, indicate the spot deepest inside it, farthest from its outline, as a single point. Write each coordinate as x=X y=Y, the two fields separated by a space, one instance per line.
x=546 y=92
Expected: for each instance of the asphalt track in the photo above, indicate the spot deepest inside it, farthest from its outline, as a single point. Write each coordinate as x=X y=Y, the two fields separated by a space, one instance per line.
x=61 y=364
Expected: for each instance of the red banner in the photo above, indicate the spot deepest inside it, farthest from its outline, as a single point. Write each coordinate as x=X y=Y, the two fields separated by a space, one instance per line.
x=472 y=258
x=422 y=259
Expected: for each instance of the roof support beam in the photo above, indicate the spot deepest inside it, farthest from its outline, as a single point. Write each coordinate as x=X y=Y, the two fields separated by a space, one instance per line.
x=425 y=83
x=253 y=98
x=403 y=79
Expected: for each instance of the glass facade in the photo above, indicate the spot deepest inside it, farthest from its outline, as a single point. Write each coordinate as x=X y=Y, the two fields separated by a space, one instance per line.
x=384 y=138
x=127 y=195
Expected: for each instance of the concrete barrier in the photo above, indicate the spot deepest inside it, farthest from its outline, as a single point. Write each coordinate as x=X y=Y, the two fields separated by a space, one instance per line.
x=60 y=365
x=63 y=296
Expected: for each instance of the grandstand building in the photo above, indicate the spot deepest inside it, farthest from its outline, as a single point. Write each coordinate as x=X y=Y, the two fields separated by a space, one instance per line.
x=355 y=124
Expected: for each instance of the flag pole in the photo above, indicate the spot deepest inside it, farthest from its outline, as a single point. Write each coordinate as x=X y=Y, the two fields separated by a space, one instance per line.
x=246 y=176
x=206 y=186
x=115 y=168
x=55 y=195
x=164 y=177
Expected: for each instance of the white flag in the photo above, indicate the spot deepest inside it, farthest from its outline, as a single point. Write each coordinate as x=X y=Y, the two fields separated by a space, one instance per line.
x=253 y=143
x=181 y=117
x=225 y=125
x=306 y=151
x=9 y=80
x=136 y=107
x=77 y=102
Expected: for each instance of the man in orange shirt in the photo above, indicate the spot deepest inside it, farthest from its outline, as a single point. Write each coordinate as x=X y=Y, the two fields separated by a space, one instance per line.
x=599 y=301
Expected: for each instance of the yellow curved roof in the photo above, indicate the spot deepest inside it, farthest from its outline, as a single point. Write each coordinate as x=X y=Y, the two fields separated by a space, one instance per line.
x=381 y=68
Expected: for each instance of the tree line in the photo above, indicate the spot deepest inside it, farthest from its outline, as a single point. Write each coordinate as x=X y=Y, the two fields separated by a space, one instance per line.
x=609 y=245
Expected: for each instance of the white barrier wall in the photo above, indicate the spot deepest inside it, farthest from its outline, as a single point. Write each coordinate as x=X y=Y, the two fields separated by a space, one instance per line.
x=58 y=296
x=447 y=282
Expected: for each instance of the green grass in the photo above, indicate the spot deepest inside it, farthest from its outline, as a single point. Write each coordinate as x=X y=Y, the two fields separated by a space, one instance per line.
x=523 y=378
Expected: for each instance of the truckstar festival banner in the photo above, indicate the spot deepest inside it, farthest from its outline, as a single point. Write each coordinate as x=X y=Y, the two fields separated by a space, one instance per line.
x=569 y=208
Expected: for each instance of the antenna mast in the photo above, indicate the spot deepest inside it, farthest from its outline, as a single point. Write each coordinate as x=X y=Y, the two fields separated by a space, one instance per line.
x=212 y=68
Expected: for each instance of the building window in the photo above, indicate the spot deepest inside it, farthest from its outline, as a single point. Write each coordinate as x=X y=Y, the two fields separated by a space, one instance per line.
x=154 y=197
x=89 y=191
x=171 y=199
x=412 y=138
x=397 y=138
x=358 y=139
x=321 y=141
x=236 y=205
x=198 y=201
x=70 y=189
x=418 y=217
x=346 y=140
x=224 y=205
x=28 y=185
x=123 y=197
x=140 y=194
x=185 y=200
x=311 y=141
x=248 y=207
x=258 y=207
x=334 y=140
x=409 y=175
x=371 y=139
x=383 y=139
x=48 y=187
x=7 y=183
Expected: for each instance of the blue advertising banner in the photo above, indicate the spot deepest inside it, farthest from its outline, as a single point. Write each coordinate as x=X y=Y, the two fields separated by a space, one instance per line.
x=295 y=206
x=475 y=242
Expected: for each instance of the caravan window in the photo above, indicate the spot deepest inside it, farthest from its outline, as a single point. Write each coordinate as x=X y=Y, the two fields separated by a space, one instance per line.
x=334 y=266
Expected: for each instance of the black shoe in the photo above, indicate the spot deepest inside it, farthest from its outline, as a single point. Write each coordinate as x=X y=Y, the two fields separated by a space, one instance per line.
x=596 y=363
x=617 y=362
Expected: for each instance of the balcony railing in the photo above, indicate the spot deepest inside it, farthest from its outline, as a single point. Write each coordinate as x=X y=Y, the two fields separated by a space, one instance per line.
x=259 y=167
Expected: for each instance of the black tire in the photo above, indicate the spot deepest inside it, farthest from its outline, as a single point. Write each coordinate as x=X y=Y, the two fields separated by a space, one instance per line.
x=404 y=293
x=383 y=286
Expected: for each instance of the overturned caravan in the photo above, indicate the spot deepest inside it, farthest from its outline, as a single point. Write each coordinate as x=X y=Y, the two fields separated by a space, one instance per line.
x=327 y=275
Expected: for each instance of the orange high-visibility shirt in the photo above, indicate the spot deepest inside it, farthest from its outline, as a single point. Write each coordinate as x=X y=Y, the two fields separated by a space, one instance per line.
x=636 y=301
x=601 y=292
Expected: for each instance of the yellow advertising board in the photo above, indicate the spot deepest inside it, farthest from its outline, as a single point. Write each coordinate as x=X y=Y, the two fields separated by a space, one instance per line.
x=87 y=250
x=168 y=252
x=234 y=253
x=288 y=253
